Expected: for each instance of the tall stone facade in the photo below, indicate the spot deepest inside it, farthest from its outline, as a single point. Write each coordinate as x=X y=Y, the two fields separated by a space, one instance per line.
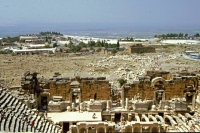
x=85 y=88
x=162 y=85
x=74 y=90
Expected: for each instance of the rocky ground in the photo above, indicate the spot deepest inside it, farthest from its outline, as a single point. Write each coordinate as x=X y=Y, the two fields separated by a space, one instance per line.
x=121 y=65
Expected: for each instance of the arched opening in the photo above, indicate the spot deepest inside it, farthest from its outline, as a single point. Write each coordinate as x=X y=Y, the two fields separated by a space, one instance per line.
x=158 y=84
x=167 y=121
x=154 y=130
x=128 y=129
x=82 y=130
x=150 y=119
x=91 y=130
x=117 y=117
x=136 y=130
x=101 y=130
x=146 y=129
x=158 y=120
x=109 y=130
x=95 y=96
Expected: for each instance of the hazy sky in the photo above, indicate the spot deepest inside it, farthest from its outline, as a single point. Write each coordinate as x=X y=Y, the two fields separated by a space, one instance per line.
x=136 y=12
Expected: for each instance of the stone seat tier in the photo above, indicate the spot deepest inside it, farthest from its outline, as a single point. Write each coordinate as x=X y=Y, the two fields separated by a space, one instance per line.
x=14 y=123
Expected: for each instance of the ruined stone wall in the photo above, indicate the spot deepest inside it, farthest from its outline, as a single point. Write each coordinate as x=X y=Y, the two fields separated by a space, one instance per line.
x=60 y=89
x=95 y=89
x=90 y=89
x=141 y=50
x=176 y=87
x=141 y=87
x=166 y=75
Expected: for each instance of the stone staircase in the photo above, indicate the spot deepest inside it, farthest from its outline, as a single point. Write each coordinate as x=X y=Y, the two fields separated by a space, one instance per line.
x=12 y=121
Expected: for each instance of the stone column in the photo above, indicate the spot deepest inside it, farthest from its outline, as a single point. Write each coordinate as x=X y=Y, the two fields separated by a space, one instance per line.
x=86 y=129
x=108 y=106
x=112 y=117
x=126 y=107
x=193 y=101
x=32 y=96
x=158 y=129
x=77 y=129
x=154 y=97
x=122 y=96
x=163 y=96
x=73 y=107
x=36 y=101
x=141 y=129
x=79 y=96
x=81 y=107
x=129 y=117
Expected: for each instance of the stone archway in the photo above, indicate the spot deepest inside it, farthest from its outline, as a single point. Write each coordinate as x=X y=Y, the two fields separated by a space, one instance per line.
x=191 y=86
x=154 y=130
x=158 y=79
x=158 y=84
x=101 y=130
x=167 y=121
x=109 y=130
x=82 y=130
x=128 y=129
x=137 y=130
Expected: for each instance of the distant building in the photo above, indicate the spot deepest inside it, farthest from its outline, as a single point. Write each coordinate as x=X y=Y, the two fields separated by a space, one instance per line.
x=193 y=54
x=139 y=48
x=28 y=39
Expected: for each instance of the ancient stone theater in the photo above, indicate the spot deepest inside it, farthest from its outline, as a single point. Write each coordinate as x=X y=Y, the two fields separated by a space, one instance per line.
x=160 y=101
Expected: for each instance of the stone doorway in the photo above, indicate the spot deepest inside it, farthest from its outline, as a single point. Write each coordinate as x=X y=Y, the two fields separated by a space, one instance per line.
x=44 y=103
x=65 y=127
x=117 y=117
x=158 y=84
x=75 y=99
x=189 y=97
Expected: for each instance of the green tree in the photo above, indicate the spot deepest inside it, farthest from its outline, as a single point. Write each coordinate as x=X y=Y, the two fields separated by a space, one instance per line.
x=114 y=51
x=186 y=35
x=55 y=45
x=197 y=35
x=118 y=45
x=46 y=40
x=102 y=43
x=82 y=44
x=180 y=35
x=122 y=81
x=106 y=45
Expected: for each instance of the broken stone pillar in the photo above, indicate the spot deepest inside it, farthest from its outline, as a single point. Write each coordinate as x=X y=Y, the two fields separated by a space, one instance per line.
x=68 y=108
x=108 y=106
x=112 y=117
x=126 y=107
